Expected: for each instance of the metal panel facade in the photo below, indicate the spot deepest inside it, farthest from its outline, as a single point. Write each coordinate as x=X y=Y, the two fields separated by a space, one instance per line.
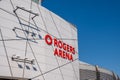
x=90 y=72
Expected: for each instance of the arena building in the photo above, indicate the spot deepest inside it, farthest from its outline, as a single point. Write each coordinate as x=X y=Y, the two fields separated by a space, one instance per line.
x=36 y=44
x=90 y=72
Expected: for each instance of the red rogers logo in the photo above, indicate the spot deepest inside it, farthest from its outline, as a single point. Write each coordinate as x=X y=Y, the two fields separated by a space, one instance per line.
x=61 y=49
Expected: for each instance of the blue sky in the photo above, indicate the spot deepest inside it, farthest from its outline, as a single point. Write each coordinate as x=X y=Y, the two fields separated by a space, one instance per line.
x=98 y=24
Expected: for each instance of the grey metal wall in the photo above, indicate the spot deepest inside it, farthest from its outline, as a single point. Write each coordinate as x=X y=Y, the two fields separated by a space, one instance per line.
x=91 y=75
x=87 y=74
x=90 y=72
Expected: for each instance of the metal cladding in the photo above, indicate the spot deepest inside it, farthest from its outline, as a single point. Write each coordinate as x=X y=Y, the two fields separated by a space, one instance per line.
x=26 y=50
x=90 y=72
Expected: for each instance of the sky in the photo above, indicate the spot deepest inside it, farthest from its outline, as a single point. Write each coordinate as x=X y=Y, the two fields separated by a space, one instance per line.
x=98 y=24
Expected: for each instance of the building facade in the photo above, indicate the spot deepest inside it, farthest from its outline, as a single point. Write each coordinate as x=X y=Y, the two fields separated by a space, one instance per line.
x=35 y=43
x=90 y=72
